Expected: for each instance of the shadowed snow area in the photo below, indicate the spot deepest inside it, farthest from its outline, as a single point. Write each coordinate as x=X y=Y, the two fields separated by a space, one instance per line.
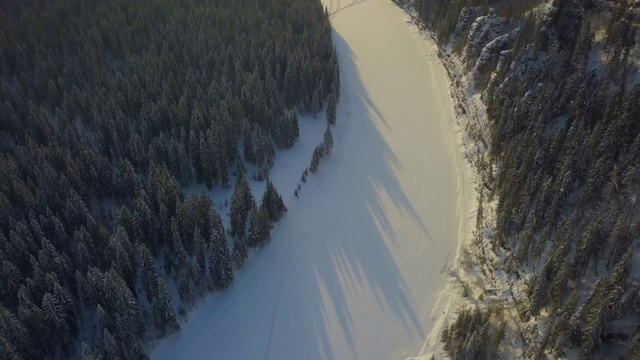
x=353 y=270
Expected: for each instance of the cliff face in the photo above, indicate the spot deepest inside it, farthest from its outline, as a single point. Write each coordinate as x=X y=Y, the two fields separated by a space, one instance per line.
x=557 y=239
x=484 y=30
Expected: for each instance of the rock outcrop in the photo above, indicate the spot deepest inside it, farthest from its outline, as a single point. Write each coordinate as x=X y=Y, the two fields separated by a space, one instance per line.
x=490 y=53
x=484 y=30
x=467 y=16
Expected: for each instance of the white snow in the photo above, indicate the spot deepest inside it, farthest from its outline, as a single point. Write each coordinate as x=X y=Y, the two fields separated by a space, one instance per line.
x=358 y=266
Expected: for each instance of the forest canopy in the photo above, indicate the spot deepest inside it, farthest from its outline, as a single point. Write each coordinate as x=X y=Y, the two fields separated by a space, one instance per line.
x=108 y=109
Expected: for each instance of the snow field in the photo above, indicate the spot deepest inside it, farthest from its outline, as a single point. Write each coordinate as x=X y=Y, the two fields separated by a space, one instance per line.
x=357 y=267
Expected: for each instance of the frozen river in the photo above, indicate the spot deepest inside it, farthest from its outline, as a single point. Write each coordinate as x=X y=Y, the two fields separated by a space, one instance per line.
x=354 y=269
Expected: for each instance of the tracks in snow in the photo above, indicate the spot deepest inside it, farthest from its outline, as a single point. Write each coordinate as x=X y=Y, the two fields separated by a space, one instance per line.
x=332 y=12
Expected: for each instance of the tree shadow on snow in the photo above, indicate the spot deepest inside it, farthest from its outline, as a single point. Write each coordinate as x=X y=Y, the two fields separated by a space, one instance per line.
x=303 y=296
x=350 y=254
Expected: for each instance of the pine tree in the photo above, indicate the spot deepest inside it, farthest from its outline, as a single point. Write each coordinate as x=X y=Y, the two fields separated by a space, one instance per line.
x=327 y=143
x=294 y=128
x=332 y=108
x=87 y=354
x=592 y=318
x=199 y=253
x=149 y=274
x=164 y=318
x=247 y=144
x=315 y=159
x=7 y=351
x=57 y=320
x=15 y=332
x=241 y=202
x=111 y=347
x=10 y=280
x=176 y=257
x=223 y=169
x=265 y=152
x=291 y=96
x=315 y=102
x=187 y=289
x=221 y=272
x=240 y=252
x=272 y=202
x=260 y=227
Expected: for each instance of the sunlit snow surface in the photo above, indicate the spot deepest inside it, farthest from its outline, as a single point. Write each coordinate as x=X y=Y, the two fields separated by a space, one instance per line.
x=354 y=269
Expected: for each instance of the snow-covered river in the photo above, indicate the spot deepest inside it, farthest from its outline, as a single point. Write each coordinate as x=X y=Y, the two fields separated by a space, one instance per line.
x=354 y=270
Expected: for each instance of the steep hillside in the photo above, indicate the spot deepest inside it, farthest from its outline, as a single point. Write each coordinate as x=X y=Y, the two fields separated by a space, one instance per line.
x=552 y=88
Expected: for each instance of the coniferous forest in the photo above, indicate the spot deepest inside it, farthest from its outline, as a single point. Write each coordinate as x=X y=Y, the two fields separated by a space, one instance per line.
x=108 y=111
x=560 y=83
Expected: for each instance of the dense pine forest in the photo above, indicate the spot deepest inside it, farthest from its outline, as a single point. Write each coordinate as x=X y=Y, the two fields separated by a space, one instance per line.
x=561 y=170
x=108 y=111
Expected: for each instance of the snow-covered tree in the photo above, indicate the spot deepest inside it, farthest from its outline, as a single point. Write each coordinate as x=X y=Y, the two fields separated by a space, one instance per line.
x=220 y=269
x=259 y=228
x=272 y=202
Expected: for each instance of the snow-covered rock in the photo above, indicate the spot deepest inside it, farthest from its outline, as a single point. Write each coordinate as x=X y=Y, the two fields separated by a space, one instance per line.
x=505 y=58
x=465 y=19
x=490 y=54
x=563 y=14
x=484 y=30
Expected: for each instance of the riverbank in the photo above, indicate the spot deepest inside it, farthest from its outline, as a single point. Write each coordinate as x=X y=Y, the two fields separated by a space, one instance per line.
x=462 y=289
x=354 y=269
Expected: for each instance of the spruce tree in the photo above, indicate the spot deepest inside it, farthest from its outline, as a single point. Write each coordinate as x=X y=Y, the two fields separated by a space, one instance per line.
x=241 y=202
x=272 y=202
x=247 y=144
x=332 y=108
x=327 y=143
x=259 y=228
x=149 y=274
x=315 y=102
x=221 y=272
x=164 y=317
x=177 y=254
x=294 y=128
x=199 y=253
x=315 y=158
x=187 y=289
x=240 y=252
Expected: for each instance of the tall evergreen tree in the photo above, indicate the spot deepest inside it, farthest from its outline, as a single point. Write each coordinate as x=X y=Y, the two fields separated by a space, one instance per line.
x=240 y=252
x=221 y=271
x=327 y=143
x=272 y=202
x=315 y=158
x=199 y=255
x=332 y=108
x=259 y=227
x=241 y=202
x=164 y=318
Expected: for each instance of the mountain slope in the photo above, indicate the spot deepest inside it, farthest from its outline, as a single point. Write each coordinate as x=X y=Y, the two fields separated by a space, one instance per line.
x=556 y=247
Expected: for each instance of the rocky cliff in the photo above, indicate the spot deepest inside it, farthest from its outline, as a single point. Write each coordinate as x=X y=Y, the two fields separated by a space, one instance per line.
x=553 y=91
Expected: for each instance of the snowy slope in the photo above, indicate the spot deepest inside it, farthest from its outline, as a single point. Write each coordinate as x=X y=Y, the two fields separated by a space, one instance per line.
x=354 y=269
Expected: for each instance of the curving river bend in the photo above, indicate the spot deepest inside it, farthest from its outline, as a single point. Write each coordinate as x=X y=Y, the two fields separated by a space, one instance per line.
x=354 y=270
